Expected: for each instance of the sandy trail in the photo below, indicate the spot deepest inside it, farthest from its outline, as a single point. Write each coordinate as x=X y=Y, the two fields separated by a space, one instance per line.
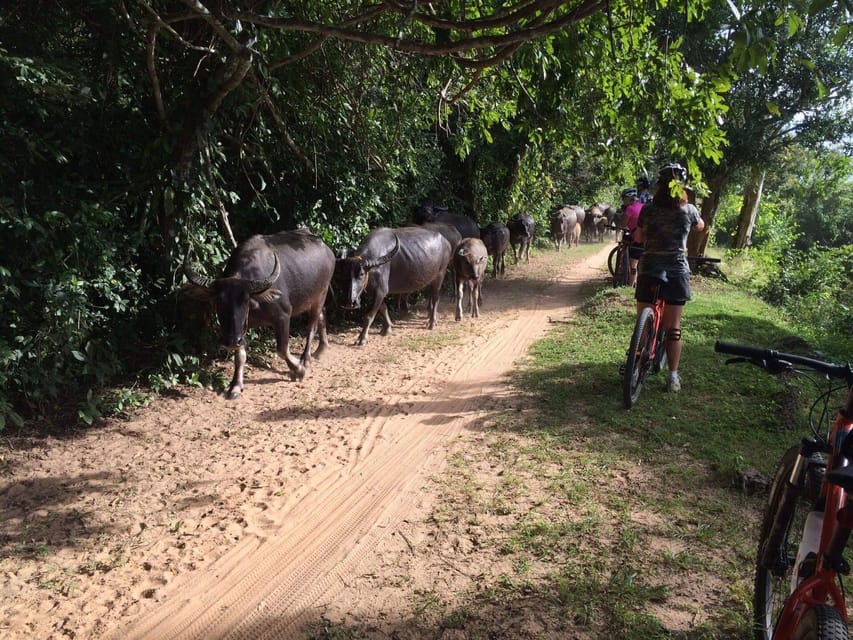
x=250 y=539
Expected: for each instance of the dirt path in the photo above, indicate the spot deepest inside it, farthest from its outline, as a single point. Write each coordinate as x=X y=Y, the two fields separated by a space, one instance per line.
x=201 y=518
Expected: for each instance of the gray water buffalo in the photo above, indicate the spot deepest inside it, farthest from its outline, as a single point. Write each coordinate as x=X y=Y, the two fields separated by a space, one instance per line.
x=429 y=212
x=389 y=261
x=267 y=281
x=595 y=224
x=522 y=230
x=496 y=238
x=470 y=260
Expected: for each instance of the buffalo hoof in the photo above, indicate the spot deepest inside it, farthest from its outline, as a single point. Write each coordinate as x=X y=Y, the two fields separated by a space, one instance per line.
x=298 y=374
x=233 y=393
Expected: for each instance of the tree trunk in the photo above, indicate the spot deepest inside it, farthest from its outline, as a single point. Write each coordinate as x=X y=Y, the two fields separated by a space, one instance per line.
x=697 y=241
x=749 y=209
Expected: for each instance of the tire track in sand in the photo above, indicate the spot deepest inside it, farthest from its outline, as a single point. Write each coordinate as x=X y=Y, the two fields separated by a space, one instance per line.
x=270 y=586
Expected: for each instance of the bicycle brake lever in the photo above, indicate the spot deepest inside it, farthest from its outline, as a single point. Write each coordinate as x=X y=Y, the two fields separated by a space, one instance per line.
x=777 y=366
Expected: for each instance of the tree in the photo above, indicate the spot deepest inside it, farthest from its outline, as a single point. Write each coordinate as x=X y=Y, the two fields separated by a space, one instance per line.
x=790 y=70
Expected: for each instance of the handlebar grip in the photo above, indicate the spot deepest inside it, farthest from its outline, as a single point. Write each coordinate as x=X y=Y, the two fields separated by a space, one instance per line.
x=753 y=353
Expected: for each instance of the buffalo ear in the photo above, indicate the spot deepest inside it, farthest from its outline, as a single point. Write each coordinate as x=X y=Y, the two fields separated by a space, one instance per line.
x=269 y=295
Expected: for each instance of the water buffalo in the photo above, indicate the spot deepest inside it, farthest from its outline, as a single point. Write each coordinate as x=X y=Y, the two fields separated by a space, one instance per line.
x=559 y=223
x=594 y=224
x=522 y=230
x=470 y=260
x=496 y=238
x=452 y=235
x=267 y=281
x=429 y=212
x=388 y=261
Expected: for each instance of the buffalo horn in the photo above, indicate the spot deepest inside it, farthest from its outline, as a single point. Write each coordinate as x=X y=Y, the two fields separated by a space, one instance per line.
x=370 y=264
x=198 y=280
x=256 y=286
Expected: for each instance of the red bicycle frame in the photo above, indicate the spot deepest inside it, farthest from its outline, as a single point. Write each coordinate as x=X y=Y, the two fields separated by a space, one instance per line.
x=815 y=590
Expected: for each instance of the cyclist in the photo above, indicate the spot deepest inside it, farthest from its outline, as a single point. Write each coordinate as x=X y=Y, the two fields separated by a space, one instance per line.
x=643 y=193
x=663 y=226
x=631 y=207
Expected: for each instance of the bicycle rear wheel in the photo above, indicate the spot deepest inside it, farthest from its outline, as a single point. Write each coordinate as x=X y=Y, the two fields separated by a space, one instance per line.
x=781 y=531
x=660 y=353
x=637 y=365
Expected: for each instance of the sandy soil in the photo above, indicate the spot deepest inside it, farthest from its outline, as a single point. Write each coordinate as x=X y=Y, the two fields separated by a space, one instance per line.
x=203 y=518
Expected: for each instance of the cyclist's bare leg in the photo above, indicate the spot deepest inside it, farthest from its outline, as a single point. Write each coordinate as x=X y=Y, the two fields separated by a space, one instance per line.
x=671 y=321
x=632 y=272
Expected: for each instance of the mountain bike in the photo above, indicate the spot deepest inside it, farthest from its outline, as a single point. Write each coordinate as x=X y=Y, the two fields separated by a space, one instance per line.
x=617 y=261
x=647 y=351
x=807 y=521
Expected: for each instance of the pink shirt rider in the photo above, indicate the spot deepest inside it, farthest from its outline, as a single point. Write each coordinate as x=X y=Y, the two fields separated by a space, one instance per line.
x=632 y=214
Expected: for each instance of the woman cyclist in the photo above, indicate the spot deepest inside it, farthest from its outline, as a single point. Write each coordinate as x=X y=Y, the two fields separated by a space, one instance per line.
x=630 y=215
x=662 y=227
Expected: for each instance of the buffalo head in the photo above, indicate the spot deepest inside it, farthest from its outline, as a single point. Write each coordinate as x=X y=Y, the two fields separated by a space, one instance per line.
x=355 y=272
x=234 y=298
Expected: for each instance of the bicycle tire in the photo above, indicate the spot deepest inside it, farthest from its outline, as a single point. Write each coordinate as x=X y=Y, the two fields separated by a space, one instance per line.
x=821 y=622
x=611 y=260
x=660 y=354
x=623 y=271
x=781 y=531
x=637 y=364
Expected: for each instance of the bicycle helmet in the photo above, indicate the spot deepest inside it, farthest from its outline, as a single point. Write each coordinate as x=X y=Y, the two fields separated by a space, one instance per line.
x=629 y=193
x=673 y=171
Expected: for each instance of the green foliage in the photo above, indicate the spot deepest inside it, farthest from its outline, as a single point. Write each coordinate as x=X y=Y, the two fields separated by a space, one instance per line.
x=107 y=183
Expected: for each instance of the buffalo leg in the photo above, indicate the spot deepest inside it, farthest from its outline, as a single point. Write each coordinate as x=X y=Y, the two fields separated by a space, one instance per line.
x=378 y=303
x=236 y=387
x=282 y=339
x=460 y=294
x=434 y=294
x=322 y=336
x=475 y=299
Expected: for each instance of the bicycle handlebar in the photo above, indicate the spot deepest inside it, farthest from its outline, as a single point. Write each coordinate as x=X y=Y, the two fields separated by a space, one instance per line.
x=618 y=228
x=703 y=260
x=778 y=361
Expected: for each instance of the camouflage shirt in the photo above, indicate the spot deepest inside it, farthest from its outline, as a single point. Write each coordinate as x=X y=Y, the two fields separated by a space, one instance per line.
x=665 y=232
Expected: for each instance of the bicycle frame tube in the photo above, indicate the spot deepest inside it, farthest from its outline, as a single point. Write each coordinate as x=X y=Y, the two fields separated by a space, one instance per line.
x=816 y=589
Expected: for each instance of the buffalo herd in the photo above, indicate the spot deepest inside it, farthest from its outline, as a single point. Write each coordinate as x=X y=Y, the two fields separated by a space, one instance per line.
x=270 y=279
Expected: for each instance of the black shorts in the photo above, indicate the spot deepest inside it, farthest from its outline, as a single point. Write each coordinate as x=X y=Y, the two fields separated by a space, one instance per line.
x=635 y=250
x=676 y=291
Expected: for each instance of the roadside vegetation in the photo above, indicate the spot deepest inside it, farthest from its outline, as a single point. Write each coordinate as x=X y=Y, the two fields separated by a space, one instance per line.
x=137 y=131
x=608 y=523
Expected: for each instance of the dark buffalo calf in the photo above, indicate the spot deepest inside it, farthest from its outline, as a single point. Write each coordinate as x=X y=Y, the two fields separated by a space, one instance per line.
x=522 y=230
x=496 y=238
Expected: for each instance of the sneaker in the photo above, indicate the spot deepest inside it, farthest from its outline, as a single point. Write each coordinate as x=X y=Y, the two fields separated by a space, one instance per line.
x=622 y=369
x=673 y=384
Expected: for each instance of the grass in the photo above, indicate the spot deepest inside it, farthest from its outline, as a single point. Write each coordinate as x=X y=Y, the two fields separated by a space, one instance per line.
x=609 y=556
x=596 y=522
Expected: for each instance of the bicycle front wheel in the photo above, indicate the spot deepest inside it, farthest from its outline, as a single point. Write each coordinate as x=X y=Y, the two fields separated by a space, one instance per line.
x=781 y=531
x=611 y=260
x=637 y=365
x=821 y=622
